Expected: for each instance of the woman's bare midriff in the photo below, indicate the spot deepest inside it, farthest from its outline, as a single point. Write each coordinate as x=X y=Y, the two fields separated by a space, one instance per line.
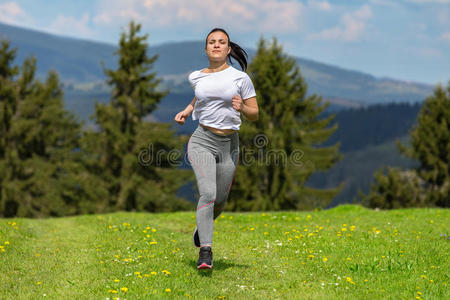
x=219 y=131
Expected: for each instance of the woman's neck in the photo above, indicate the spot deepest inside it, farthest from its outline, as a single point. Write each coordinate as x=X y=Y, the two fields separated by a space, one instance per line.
x=217 y=66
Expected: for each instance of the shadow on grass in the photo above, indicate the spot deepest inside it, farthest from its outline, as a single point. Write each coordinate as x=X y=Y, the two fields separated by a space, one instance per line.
x=218 y=265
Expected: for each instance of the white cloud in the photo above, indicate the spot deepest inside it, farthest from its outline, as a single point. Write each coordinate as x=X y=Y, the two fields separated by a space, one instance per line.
x=12 y=13
x=429 y=1
x=351 y=26
x=446 y=36
x=428 y=52
x=320 y=5
x=245 y=15
x=384 y=3
x=71 y=26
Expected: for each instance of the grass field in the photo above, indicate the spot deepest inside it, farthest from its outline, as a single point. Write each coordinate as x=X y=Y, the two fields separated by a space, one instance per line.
x=347 y=252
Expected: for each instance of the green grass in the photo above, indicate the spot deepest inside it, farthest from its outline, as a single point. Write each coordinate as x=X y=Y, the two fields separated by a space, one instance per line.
x=398 y=254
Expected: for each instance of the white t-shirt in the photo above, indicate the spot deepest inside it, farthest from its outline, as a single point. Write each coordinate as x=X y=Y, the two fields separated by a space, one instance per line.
x=214 y=93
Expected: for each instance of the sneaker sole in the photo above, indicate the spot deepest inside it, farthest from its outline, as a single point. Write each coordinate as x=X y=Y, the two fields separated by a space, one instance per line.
x=204 y=266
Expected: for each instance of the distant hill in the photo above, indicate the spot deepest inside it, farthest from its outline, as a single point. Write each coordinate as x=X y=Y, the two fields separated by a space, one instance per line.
x=357 y=168
x=79 y=64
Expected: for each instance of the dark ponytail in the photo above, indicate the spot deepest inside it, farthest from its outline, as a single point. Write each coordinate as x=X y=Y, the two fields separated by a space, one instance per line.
x=236 y=52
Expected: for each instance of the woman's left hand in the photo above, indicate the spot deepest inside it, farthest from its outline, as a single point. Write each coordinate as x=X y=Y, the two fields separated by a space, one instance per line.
x=237 y=103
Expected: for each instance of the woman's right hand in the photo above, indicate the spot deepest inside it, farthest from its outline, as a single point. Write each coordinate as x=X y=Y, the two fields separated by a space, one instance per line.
x=181 y=117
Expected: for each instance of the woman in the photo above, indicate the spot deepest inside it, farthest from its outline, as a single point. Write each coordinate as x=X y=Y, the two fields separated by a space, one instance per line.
x=221 y=94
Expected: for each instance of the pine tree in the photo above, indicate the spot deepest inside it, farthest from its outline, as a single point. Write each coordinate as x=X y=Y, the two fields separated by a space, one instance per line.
x=395 y=189
x=37 y=141
x=123 y=135
x=430 y=146
x=282 y=148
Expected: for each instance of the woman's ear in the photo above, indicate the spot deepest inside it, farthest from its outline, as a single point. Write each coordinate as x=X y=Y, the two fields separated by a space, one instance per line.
x=229 y=50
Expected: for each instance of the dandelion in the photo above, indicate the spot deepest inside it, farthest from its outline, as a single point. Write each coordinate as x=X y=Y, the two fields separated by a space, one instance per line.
x=153 y=243
x=168 y=290
x=39 y=282
x=113 y=291
x=153 y=272
x=423 y=276
x=325 y=259
x=137 y=273
x=154 y=230
x=6 y=243
x=266 y=233
x=349 y=280
x=116 y=280
x=166 y=272
x=348 y=258
x=311 y=256
x=252 y=229
x=124 y=289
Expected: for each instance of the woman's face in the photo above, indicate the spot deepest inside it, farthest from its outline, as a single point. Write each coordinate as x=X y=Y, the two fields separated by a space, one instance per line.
x=217 y=47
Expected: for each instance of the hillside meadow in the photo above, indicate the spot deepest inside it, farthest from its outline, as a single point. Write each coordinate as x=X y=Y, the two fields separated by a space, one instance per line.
x=348 y=252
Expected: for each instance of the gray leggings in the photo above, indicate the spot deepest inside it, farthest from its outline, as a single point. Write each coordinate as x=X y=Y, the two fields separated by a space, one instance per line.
x=214 y=159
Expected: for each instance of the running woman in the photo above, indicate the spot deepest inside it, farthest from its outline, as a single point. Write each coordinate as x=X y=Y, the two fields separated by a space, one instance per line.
x=222 y=93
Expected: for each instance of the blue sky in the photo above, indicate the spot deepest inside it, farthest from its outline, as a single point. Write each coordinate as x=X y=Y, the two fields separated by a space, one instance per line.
x=400 y=39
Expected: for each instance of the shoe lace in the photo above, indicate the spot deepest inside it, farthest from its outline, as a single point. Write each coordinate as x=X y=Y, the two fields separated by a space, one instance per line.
x=205 y=253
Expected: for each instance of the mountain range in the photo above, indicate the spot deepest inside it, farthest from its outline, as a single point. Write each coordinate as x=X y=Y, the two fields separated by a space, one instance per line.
x=79 y=64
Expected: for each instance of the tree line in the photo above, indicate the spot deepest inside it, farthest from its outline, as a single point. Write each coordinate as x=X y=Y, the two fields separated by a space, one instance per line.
x=50 y=165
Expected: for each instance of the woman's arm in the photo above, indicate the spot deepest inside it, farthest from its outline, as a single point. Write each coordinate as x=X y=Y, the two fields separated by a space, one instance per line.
x=190 y=106
x=250 y=109
x=183 y=115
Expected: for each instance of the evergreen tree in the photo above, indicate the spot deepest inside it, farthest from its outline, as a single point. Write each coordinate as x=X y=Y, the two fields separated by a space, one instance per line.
x=114 y=150
x=37 y=141
x=395 y=189
x=430 y=146
x=282 y=148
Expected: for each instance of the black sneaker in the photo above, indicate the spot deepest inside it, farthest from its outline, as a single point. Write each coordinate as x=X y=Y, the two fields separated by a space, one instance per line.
x=205 y=258
x=196 y=239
